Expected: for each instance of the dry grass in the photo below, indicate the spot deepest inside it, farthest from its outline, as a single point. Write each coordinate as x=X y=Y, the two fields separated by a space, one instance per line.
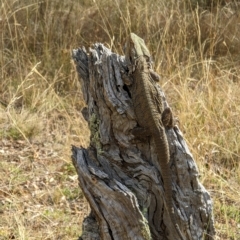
x=196 y=51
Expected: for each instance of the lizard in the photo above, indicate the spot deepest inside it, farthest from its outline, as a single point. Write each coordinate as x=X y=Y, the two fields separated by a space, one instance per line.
x=150 y=114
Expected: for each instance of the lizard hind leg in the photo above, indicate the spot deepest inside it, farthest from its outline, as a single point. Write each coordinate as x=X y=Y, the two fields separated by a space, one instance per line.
x=167 y=118
x=140 y=132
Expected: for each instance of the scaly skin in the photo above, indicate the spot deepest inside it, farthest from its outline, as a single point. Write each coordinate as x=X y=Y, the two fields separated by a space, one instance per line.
x=149 y=112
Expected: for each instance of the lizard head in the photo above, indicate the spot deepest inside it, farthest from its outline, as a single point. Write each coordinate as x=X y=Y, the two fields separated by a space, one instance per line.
x=134 y=48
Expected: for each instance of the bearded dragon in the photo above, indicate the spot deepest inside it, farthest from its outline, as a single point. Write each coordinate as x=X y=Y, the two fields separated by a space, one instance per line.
x=150 y=113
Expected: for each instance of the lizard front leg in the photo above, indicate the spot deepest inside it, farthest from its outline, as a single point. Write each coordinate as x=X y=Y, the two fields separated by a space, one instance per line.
x=154 y=75
x=127 y=79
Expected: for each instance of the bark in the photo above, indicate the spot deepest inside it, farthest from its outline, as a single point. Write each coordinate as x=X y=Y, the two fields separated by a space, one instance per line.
x=119 y=174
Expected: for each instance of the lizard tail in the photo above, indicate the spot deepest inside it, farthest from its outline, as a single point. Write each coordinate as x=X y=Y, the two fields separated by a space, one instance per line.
x=162 y=150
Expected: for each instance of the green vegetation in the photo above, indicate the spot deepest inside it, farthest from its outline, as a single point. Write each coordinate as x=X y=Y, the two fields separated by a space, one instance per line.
x=94 y=123
x=196 y=50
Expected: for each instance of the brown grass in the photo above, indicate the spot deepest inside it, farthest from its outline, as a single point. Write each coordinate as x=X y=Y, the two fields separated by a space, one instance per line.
x=196 y=51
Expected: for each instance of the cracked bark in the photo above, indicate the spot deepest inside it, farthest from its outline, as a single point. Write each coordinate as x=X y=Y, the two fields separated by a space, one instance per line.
x=119 y=174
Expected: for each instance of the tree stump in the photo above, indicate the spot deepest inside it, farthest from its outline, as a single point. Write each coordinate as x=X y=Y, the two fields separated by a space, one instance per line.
x=120 y=175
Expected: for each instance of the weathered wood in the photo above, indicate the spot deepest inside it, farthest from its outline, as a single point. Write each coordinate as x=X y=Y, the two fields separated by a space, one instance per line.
x=120 y=175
